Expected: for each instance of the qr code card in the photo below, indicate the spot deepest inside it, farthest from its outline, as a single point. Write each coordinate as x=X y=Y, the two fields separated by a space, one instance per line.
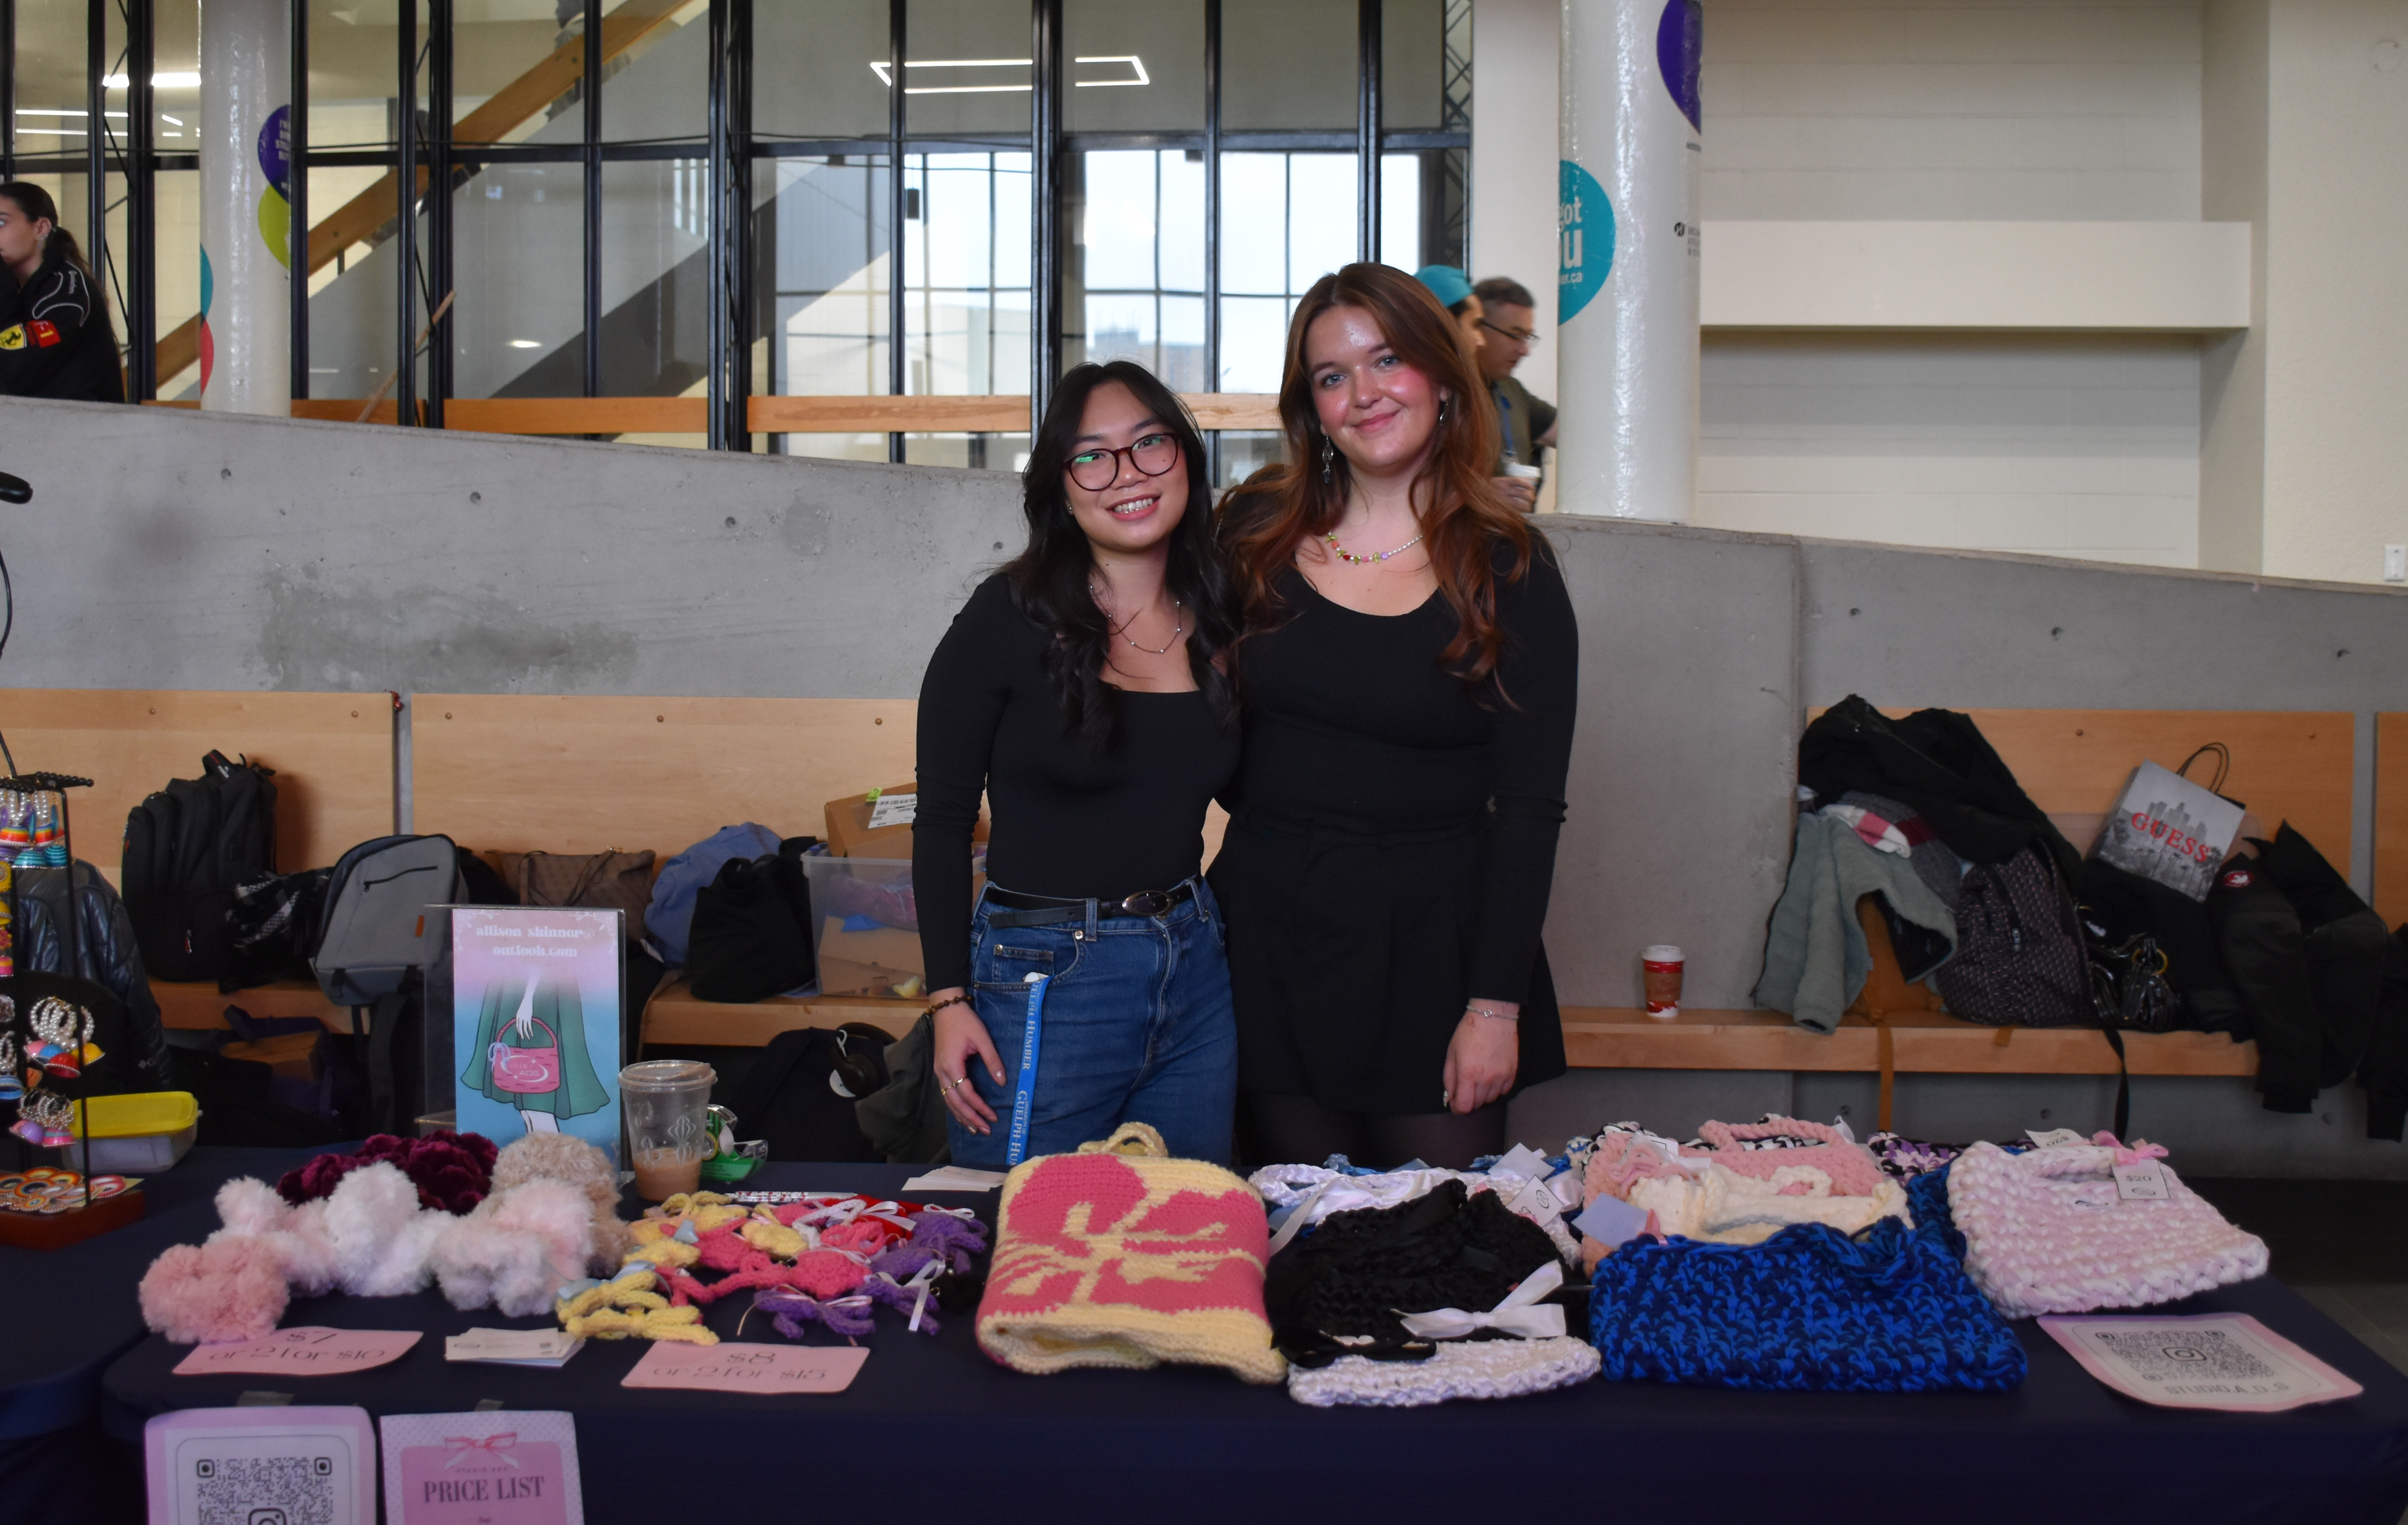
x=2226 y=1360
x=262 y=1466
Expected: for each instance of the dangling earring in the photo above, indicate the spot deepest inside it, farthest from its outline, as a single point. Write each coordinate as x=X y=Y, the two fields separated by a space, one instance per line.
x=1329 y=457
x=1441 y=409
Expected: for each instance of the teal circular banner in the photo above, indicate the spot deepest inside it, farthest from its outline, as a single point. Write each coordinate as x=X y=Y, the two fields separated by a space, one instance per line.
x=1584 y=240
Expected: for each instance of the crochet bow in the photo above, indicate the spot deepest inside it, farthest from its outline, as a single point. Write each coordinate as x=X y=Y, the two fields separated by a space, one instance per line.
x=1516 y=1315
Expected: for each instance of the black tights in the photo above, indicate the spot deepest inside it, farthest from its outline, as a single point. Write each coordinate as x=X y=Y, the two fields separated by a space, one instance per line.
x=1298 y=1129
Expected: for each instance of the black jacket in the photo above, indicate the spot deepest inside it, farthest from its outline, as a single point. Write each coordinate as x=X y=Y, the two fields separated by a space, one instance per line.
x=106 y=953
x=1937 y=762
x=55 y=337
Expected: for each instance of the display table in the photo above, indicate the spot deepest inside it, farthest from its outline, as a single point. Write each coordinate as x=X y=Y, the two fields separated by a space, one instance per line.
x=72 y=1311
x=931 y=1424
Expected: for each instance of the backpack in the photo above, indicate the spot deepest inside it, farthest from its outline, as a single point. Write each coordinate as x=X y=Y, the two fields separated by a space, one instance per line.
x=186 y=848
x=791 y=1097
x=751 y=936
x=683 y=877
x=377 y=937
x=269 y=923
x=2020 y=959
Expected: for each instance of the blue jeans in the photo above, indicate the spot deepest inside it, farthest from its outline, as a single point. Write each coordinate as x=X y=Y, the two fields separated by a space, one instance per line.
x=1137 y=1027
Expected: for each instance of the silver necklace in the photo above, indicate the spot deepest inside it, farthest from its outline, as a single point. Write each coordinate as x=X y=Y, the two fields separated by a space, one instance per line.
x=1178 y=633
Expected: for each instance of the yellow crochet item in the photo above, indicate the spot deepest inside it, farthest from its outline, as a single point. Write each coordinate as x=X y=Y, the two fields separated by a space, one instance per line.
x=1117 y=1256
x=628 y=1306
x=654 y=1247
x=775 y=1237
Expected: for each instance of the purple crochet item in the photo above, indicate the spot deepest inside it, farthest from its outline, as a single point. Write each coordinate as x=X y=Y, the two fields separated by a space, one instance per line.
x=934 y=1236
x=451 y=1171
x=850 y=1315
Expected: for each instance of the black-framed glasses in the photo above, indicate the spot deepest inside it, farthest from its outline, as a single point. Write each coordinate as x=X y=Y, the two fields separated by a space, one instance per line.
x=1512 y=335
x=1098 y=469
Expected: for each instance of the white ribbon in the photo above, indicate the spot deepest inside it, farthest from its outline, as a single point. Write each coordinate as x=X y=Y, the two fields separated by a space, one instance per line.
x=1516 y=1315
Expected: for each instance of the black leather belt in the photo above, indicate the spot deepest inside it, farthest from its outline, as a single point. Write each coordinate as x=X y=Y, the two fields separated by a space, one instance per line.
x=1049 y=910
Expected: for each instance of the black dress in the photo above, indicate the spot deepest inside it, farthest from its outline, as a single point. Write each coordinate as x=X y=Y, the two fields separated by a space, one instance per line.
x=1393 y=842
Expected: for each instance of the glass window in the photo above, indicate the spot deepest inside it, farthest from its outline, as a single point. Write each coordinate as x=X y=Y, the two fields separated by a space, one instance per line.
x=1288 y=64
x=966 y=273
x=176 y=75
x=1133 y=285
x=812 y=74
x=354 y=50
x=1286 y=220
x=824 y=271
x=1423 y=209
x=1135 y=65
x=52 y=65
x=518 y=249
x=656 y=71
x=518 y=68
x=979 y=452
x=176 y=274
x=1412 y=58
x=655 y=279
x=968 y=63
x=1246 y=451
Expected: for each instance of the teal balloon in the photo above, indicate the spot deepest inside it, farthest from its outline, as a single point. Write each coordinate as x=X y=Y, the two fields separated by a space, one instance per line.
x=208 y=283
x=1584 y=240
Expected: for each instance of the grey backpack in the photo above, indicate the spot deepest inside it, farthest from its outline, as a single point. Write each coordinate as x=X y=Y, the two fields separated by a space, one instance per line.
x=377 y=928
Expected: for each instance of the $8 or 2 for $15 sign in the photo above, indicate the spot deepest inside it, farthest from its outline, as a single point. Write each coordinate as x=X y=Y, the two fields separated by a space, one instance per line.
x=737 y=1367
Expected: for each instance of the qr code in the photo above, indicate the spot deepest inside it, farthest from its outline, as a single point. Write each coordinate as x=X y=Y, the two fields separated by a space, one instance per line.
x=2188 y=1356
x=267 y=1489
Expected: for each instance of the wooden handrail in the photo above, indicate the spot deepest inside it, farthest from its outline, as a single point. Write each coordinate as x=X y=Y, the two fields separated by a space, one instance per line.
x=358 y=219
x=878 y=415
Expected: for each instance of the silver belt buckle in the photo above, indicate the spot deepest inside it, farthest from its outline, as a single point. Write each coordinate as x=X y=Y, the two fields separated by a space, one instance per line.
x=1146 y=903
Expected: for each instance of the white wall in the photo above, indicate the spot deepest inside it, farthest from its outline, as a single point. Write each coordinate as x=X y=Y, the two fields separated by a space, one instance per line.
x=1948 y=110
x=1945 y=109
x=1514 y=114
x=2054 y=447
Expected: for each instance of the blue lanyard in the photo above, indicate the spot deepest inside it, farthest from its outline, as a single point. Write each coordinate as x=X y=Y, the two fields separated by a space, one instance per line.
x=1025 y=1092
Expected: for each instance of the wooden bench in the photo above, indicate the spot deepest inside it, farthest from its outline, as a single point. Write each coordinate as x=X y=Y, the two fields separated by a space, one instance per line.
x=332 y=753
x=2286 y=765
x=517 y=773
x=2392 y=818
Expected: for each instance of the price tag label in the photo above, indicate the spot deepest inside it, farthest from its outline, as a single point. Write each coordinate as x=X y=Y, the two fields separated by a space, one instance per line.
x=305 y=1350
x=732 y=1367
x=893 y=810
x=2056 y=1138
x=1535 y=1202
x=2143 y=1182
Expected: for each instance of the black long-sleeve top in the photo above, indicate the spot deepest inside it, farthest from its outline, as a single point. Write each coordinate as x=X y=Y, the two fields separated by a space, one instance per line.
x=1067 y=821
x=56 y=339
x=1352 y=724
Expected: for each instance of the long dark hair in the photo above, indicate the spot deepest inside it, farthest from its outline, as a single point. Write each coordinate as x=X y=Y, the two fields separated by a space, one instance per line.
x=1462 y=514
x=1049 y=579
x=36 y=204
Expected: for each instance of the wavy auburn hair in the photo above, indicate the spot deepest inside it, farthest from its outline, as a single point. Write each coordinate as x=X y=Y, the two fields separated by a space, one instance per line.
x=1049 y=579
x=1463 y=517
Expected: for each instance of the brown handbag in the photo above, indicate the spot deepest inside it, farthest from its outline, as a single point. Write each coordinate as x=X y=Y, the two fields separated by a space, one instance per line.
x=610 y=881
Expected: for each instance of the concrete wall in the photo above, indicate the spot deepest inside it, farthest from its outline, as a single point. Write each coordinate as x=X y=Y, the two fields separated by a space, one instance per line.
x=169 y=550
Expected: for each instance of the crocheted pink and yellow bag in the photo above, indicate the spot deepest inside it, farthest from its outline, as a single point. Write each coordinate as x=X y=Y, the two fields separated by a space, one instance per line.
x=2046 y=1232
x=1121 y=1256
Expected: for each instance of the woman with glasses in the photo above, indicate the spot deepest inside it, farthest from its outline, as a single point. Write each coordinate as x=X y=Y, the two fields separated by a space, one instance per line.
x=1084 y=691
x=1410 y=670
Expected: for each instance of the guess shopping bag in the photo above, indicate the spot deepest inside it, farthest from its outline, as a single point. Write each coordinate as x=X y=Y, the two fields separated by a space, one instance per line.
x=2167 y=829
x=525 y=1069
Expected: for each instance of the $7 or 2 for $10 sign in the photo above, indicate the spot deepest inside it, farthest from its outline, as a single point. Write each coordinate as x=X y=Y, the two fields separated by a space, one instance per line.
x=736 y=1367
x=304 y=1351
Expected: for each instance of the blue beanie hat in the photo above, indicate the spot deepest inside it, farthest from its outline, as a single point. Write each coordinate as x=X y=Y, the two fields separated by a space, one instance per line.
x=1448 y=284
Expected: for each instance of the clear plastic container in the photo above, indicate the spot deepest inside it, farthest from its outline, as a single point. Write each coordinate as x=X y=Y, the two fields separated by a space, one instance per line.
x=141 y=1133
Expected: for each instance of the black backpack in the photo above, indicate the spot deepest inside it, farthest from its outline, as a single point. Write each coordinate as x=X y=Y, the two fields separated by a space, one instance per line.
x=799 y=1094
x=2019 y=960
x=186 y=848
x=750 y=937
x=271 y=929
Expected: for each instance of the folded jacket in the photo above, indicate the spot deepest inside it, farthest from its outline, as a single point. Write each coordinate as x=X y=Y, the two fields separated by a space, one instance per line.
x=1816 y=957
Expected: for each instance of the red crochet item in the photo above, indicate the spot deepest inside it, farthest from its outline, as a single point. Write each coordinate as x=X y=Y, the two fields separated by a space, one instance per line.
x=451 y=1171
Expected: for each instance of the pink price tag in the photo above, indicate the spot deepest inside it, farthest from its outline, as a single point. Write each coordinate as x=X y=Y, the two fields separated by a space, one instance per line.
x=747 y=1368
x=306 y=1351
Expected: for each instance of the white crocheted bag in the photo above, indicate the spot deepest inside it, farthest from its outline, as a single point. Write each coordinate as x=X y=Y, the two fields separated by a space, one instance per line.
x=2047 y=1233
x=1458 y=1369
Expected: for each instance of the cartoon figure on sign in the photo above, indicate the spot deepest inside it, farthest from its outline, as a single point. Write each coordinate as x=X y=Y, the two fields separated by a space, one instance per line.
x=530 y=1052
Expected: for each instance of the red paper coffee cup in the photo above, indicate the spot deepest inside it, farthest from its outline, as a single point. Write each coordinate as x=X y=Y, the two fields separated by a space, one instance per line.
x=1660 y=966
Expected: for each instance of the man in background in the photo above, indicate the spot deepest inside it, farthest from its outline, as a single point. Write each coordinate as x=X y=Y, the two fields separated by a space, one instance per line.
x=1528 y=422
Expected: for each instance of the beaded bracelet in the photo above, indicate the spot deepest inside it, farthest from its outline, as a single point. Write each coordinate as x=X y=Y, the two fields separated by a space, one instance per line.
x=935 y=1007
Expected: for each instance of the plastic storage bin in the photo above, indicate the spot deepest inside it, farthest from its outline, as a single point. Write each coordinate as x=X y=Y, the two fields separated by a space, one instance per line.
x=866 y=927
x=141 y=1133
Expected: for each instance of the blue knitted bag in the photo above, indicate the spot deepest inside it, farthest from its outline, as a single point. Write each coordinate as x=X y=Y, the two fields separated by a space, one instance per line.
x=1810 y=1309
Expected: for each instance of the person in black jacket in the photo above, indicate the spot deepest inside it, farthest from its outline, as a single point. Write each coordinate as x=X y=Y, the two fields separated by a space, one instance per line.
x=1084 y=691
x=55 y=336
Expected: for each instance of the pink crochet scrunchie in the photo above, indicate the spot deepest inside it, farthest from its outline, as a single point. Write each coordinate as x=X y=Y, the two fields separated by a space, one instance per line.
x=1853 y=1169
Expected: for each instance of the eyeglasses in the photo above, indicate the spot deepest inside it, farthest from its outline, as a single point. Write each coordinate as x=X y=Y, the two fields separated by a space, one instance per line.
x=1096 y=470
x=1512 y=335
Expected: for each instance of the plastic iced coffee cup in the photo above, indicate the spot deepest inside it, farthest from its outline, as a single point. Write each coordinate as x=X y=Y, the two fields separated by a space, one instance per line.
x=1661 y=971
x=1517 y=470
x=664 y=1102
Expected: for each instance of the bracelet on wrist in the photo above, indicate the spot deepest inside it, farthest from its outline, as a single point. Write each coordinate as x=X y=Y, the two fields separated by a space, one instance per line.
x=1475 y=1009
x=935 y=1007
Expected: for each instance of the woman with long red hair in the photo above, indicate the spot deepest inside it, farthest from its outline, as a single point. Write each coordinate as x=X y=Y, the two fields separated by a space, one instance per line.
x=1409 y=674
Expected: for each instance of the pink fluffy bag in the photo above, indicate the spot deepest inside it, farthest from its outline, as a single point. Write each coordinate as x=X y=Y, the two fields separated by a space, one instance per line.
x=2046 y=1232
x=1853 y=1169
